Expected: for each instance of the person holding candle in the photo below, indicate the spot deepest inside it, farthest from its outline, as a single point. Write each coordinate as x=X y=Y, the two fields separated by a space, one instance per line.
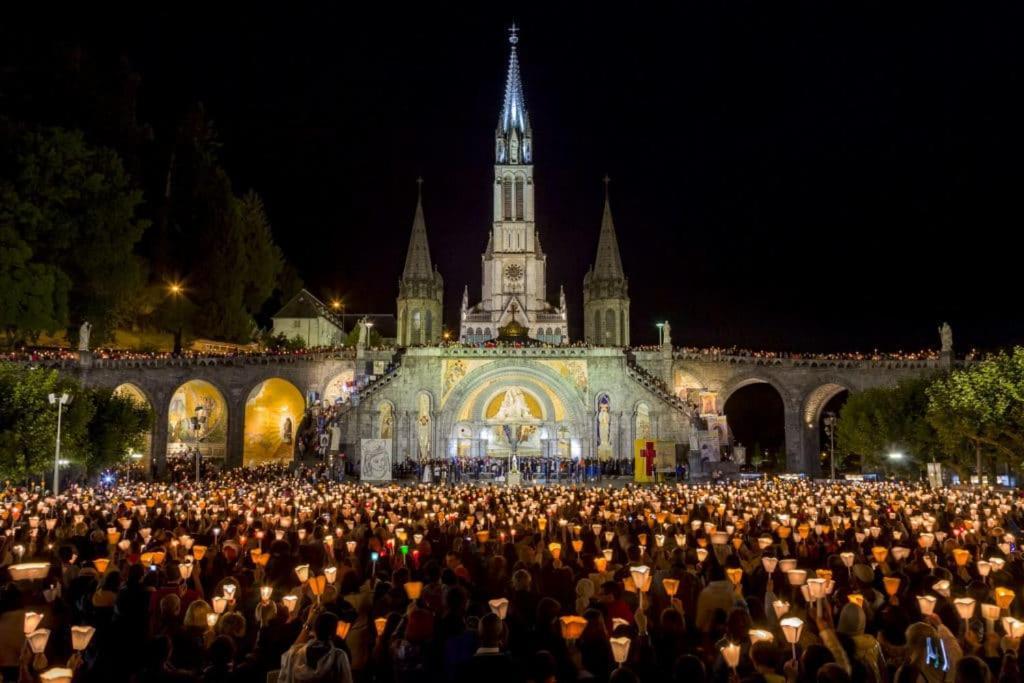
x=314 y=658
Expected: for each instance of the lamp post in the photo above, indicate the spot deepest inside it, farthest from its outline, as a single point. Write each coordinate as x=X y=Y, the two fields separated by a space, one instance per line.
x=661 y=333
x=176 y=290
x=830 y=430
x=60 y=402
x=197 y=424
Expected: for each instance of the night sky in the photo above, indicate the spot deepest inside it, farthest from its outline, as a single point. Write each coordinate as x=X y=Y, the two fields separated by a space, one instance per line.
x=791 y=176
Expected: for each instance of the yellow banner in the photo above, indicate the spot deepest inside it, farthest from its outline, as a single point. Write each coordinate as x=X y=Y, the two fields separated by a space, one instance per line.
x=651 y=457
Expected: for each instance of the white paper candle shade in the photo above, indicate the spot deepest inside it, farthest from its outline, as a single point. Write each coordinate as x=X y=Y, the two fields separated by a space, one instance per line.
x=965 y=607
x=57 y=675
x=797 y=577
x=219 y=604
x=37 y=640
x=941 y=587
x=620 y=649
x=641 y=577
x=29 y=571
x=290 y=601
x=731 y=655
x=780 y=607
x=81 y=636
x=926 y=603
x=847 y=559
x=331 y=574
x=302 y=571
x=769 y=563
x=758 y=634
x=792 y=627
x=984 y=568
x=1013 y=627
x=31 y=622
x=787 y=565
x=499 y=607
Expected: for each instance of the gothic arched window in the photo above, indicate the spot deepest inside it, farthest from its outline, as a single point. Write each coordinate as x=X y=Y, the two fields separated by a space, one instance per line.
x=506 y=198
x=609 y=326
x=519 y=199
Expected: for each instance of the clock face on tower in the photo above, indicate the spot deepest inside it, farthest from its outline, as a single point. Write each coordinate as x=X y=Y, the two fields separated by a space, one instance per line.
x=513 y=272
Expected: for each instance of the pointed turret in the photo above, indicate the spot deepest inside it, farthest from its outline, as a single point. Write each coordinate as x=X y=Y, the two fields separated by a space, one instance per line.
x=608 y=263
x=421 y=289
x=417 y=256
x=605 y=288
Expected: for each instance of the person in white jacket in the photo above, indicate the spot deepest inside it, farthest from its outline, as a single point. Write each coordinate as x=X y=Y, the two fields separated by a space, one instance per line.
x=314 y=658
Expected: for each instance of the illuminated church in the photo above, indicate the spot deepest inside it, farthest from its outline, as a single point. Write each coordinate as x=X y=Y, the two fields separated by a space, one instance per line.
x=515 y=384
x=514 y=293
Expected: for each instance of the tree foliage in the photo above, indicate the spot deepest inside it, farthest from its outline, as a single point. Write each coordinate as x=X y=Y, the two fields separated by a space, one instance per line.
x=220 y=244
x=69 y=226
x=97 y=428
x=982 y=405
x=876 y=422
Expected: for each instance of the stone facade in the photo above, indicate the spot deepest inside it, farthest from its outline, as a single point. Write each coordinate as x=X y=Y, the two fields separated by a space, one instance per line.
x=452 y=386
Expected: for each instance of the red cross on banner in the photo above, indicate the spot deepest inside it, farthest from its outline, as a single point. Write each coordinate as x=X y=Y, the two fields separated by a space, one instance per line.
x=650 y=457
x=649 y=454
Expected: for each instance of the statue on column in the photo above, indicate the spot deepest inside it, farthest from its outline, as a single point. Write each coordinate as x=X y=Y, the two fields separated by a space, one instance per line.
x=946 y=336
x=83 y=336
x=667 y=332
x=364 y=333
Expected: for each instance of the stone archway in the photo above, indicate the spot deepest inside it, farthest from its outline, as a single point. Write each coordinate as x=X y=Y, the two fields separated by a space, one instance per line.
x=812 y=413
x=549 y=405
x=197 y=417
x=274 y=409
x=137 y=394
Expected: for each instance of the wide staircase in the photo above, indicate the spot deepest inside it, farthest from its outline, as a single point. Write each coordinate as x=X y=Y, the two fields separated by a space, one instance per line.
x=653 y=384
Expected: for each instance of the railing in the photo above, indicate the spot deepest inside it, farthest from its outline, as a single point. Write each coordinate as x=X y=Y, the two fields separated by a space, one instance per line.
x=188 y=362
x=653 y=384
x=789 y=362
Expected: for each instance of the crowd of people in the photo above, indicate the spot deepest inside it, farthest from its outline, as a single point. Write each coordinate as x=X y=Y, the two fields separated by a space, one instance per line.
x=37 y=355
x=274 y=574
x=62 y=354
x=876 y=355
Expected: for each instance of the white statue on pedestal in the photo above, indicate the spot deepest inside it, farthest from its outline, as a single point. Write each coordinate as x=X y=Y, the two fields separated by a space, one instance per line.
x=83 y=336
x=667 y=334
x=946 y=335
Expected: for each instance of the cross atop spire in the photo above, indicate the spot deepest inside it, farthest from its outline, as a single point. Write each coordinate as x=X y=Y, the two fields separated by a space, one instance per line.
x=514 y=123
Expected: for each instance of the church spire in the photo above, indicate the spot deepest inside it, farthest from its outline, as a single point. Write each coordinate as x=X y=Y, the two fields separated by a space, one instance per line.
x=608 y=263
x=417 y=258
x=513 y=133
x=605 y=288
x=421 y=289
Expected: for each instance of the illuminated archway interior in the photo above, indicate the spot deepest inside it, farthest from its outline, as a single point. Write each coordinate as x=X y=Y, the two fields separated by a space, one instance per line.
x=513 y=407
x=132 y=392
x=197 y=417
x=272 y=416
x=339 y=388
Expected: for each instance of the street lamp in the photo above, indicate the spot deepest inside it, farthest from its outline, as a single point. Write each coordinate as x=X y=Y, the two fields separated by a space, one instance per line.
x=60 y=402
x=197 y=424
x=830 y=430
x=895 y=455
x=661 y=333
x=175 y=289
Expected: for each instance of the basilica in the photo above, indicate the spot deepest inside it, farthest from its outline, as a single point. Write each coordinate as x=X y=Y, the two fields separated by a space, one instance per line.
x=514 y=383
